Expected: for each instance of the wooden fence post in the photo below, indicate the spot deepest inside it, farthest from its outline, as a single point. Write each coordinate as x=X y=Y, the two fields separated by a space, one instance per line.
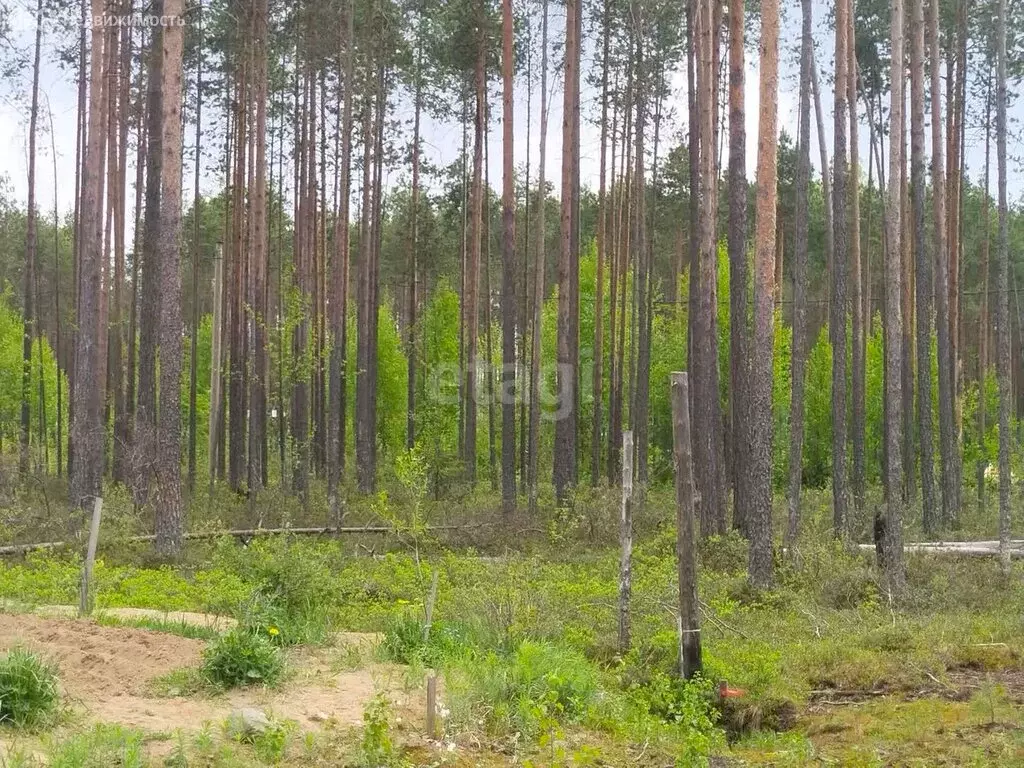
x=432 y=705
x=84 y=604
x=626 y=542
x=689 y=619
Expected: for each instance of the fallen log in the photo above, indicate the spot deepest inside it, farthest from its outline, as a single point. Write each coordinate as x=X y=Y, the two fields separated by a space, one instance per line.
x=967 y=548
x=245 y=534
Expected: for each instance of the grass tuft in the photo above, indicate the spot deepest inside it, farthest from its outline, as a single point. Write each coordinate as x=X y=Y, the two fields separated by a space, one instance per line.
x=28 y=689
x=242 y=658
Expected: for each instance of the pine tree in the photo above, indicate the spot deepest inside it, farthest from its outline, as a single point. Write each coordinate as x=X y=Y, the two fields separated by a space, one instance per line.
x=762 y=347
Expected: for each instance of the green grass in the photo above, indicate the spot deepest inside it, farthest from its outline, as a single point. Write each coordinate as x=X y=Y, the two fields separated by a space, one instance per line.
x=101 y=747
x=28 y=689
x=527 y=638
x=171 y=627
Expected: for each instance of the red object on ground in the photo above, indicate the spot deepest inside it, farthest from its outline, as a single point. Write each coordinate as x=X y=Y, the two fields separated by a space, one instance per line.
x=725 y=692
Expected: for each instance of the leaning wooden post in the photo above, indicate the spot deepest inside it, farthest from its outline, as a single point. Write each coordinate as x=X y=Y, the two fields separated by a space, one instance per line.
x=215 y=361
x=626 y=541
x=84 y=605
x=689 y=619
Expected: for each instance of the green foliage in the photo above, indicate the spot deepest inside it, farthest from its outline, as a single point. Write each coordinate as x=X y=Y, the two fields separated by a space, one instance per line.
x=689 y=705
x=437 y=414
x=292 y=594
x=11 y=341
x=377 y=748
x=28 y=688
x=101 y=747
x=518 y=691
x=403 y=642
x=241 y=658
x=392 y=374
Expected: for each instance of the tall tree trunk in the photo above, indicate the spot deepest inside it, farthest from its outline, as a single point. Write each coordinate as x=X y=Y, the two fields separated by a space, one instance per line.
x=984 y=319
x=602 y=256
x=170 y=522
x=133 y=316
x=838 y=307
x=57 y=348
x=1002 y=291
x=193 y=374
x=612 y=235
x=947 y=440
x=258 y=248
x=641 y=341
x=739 y=277
x=377 y=217
x=488 y=372
x=144 y=449
x=524 y=306
x=826 y=184
x=706 y=404
x=30 y=256
x=86 y=469
x=567 y=374
x=118 y=370
x=414 y=204
x=800 y=335
x=237 y=418
x=538 y=270
x=339 y=284
x=857 y=268
x=305 y=198
x=888 y=526
x=909 y=459
x=923 y=278
x=475 y=245
x=508 y=257
x=81 y=120
x=363 y=431
x=760 y=521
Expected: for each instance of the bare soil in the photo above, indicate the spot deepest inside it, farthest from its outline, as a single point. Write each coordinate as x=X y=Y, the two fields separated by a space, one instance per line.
x=106 y=672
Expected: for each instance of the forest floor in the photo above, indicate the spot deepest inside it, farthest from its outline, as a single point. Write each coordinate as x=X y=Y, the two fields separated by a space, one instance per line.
x=830 y=670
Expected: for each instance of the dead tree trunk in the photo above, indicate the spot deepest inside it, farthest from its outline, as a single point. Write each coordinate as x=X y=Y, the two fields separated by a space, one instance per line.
x=686 y=545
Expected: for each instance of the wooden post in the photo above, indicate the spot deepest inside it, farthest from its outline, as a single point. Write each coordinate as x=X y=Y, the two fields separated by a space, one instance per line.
x=432 y=706
x=626 y=541
x=215 y=358
x=84 y=604
x=689 y=619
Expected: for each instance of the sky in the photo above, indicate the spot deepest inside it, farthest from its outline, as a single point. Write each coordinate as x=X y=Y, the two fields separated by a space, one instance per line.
x=443 y=141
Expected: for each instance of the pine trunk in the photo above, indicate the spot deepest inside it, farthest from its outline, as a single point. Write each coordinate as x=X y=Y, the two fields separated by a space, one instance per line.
x=888 y=525
x=170 y=521
x=800 y=335
x=739 y=276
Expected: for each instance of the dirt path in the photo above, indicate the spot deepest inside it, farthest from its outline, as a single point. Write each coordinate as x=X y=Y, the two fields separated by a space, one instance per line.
x=107 y=671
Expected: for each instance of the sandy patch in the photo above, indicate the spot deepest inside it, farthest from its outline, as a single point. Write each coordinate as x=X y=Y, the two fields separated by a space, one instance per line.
x=107 y=671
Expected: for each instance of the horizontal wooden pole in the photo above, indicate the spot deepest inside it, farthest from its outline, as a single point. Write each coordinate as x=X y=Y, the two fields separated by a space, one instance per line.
x=18 y=549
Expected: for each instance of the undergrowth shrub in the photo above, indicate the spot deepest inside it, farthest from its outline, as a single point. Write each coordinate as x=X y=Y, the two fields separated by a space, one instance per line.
x=724 y=554
x=28 y=688
x=376 y=748
x=538 y=682
x=678 y=701
x=404 y=643
x=242 y=657
x=294 y=588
